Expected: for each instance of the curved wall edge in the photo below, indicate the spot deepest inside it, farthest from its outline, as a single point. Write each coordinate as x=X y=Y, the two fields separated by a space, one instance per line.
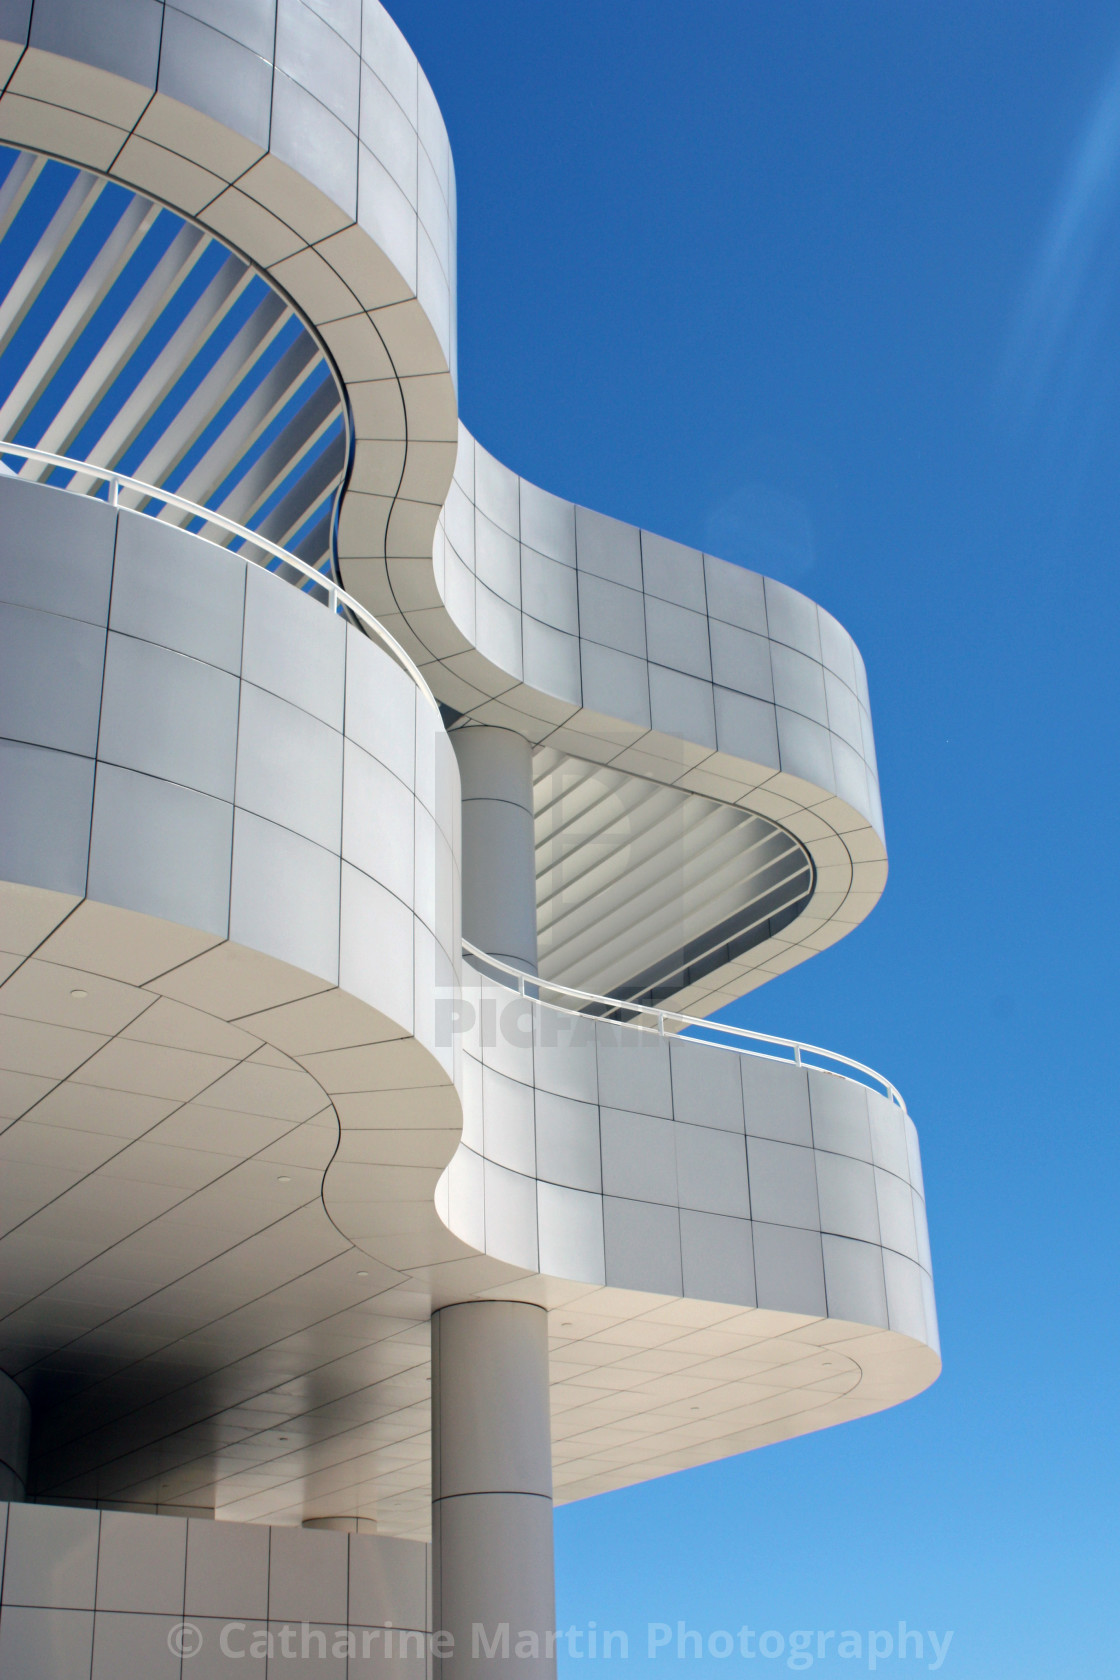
x=322 y=157
x=236 y=820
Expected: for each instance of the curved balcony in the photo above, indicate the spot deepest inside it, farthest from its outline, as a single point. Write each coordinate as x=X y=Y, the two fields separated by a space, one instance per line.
x=721 y=717
x=241 y=982
x=262 y=1117
x=665 y=1193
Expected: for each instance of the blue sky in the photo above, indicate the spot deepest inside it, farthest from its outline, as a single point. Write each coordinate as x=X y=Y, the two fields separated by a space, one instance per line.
x=833 y=286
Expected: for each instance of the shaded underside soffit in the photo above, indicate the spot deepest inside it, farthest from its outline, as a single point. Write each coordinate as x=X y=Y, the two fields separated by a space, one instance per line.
x=134 y=339
x=643 y=889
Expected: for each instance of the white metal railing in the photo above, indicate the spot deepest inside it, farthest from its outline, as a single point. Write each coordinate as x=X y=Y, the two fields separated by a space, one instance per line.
x=576 y=1002
x=741 y=1039
x=329 y=591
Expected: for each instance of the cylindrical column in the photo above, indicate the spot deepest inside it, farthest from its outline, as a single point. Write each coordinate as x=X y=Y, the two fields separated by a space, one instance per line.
x=493 y=1591
x=15 y=1438
x=499 y=872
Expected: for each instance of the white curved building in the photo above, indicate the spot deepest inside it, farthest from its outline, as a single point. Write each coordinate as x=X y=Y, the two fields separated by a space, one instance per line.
x=373 y=824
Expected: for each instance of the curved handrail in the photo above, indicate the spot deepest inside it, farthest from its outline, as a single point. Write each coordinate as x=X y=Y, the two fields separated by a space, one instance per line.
x=335 y=596
x=533 y=987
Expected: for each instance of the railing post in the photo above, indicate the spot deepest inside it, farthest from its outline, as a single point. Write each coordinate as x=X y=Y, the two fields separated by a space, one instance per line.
x=797 y=1054
x=114 y=490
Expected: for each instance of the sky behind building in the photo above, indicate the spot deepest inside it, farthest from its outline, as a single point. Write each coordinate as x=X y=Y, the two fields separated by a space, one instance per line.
x=834 y=290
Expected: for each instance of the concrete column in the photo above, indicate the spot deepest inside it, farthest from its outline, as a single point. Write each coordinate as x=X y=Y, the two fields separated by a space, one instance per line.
x=492 y=1568
x=499 y=871
x=15 y=1439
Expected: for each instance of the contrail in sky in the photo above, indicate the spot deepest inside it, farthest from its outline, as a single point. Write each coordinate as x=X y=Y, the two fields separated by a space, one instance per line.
x=1050 y=358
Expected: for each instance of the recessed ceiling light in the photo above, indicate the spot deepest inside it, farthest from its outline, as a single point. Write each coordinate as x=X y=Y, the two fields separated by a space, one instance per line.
x=283 y=1179
x=78 y=992
x=363 y=1274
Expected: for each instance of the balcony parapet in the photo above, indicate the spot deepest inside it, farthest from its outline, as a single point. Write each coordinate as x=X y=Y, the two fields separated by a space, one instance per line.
x=119 y=490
